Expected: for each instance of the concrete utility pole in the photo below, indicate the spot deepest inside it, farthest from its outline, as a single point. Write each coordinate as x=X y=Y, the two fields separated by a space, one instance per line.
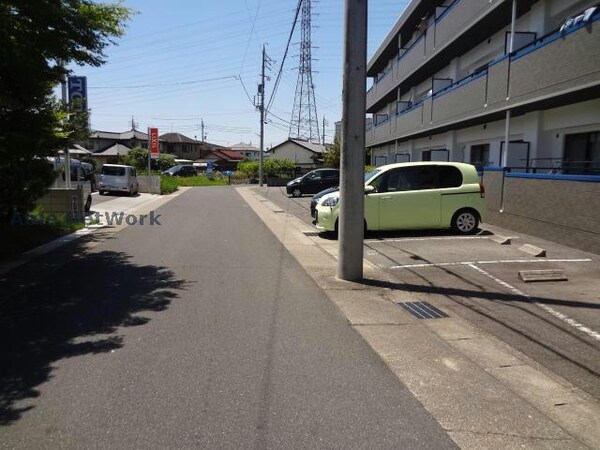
x=261 y=93
x=324 y=122
x=202 y=129
x=352 y=158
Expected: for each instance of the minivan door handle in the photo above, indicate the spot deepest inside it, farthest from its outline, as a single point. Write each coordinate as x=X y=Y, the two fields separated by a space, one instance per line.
x=387 y=197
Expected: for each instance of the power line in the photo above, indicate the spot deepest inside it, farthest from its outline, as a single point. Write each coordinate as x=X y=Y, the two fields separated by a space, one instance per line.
x=175 y=83
x=245 y=90
x=287 y=47
x=250 y=36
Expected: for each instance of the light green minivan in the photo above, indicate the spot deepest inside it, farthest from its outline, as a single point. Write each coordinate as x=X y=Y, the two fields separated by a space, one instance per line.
x=412 y=196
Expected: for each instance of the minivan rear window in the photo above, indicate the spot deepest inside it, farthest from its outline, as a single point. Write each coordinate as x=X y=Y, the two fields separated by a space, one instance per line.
x=113 y=171
x=449 y=176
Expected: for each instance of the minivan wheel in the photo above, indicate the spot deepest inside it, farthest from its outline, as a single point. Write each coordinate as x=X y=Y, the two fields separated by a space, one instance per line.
x=465 y=221
x=296 y=192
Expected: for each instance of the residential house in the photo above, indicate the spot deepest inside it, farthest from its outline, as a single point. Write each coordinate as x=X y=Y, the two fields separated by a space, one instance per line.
x=111 y=155
x=187 y=148
x=248 y=151
x=303 y=154
x=102 y=140
x=223 y=159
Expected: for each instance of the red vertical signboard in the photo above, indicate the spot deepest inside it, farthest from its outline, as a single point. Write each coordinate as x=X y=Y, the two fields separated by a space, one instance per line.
x=153 y=142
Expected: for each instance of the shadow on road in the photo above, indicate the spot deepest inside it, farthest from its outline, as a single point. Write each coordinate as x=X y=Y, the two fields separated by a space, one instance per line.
x=62 y=310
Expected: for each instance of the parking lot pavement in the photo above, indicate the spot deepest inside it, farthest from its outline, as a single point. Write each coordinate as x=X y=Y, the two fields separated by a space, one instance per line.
x=557 y=324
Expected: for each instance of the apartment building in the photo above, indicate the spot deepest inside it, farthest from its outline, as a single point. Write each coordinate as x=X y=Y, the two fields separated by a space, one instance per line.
x=446 y=86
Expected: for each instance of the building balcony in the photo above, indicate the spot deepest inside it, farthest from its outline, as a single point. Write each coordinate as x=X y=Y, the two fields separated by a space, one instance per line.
x=382 y=87
x=452 y=21
x=410 y=58
x=460 y=99
x=551 y=71
x=558 y=62
x=409 y=120
x=445 y=36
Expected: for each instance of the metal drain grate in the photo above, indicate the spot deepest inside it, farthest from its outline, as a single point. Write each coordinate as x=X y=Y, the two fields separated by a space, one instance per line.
x=279 y=211
x=422 y=310
x=310 y=233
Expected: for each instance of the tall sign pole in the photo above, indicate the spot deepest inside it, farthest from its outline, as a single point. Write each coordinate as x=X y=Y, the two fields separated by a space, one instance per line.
x=352 y=159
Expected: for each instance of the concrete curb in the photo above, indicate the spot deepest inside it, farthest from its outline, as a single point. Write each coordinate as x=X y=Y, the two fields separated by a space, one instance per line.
x=533 y=250
x=479 y=389
x=502 y=240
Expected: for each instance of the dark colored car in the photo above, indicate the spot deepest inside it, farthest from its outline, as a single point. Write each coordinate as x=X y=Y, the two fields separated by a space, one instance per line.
x=313 y=182
x=181 y=170
x=317 y=196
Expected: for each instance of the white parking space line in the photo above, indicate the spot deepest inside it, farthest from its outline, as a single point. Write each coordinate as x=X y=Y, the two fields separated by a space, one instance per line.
x=500 y=261
x=568 y=320
x=448 y=238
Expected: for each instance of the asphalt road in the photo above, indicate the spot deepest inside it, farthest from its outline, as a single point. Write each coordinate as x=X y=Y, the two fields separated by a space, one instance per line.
x=98 y=199
x=201 y=332
x=428 y=265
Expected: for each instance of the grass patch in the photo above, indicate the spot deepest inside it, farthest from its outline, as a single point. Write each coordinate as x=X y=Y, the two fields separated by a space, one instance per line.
x=170 y=184
x=25 y=233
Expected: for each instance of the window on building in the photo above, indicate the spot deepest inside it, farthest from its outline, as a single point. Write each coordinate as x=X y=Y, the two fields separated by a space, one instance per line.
x=402 y=157
x=582 y=153
x=480 y=155
x=380 y=160
x=438 y=154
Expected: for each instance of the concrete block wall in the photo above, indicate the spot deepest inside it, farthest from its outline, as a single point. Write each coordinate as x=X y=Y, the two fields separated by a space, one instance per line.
x=149 y=184
x=62 y=201
x=492 y=182
x=563 y=211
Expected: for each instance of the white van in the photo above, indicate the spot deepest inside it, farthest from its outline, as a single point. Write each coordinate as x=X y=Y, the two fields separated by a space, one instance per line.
x=81 y=177
x=118 y=178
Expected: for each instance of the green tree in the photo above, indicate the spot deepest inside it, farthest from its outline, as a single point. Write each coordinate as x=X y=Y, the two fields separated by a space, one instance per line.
x=277 y=167
x=250 y=168
x=331 y=157
x=163 y=162
x=137 y=157
x=38 y=40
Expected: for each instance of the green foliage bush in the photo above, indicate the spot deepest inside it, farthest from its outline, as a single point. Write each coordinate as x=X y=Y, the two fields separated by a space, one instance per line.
x=249 y=168
x=278 y=167
x=331 y=157
x=138 y=158
x=271 y=167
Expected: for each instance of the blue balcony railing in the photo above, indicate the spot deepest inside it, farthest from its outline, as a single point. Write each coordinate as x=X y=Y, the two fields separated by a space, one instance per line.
x=461 y=82
x=551 y=37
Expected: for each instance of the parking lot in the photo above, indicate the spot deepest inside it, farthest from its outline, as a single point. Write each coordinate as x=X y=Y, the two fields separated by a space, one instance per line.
x=556 y=323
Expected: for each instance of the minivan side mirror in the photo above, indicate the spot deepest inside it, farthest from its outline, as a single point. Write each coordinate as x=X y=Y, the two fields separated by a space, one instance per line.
x=370 y=189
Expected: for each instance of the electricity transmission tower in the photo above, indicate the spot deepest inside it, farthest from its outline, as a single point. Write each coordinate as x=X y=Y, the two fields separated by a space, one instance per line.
x=304 y=123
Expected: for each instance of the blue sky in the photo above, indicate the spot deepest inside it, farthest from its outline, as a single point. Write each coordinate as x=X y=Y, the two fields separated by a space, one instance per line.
x=182 y=61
